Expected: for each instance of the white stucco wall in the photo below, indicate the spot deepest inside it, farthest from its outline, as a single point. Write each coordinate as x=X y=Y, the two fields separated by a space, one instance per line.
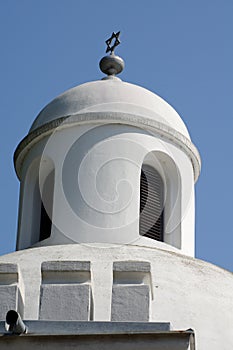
x=187 y=292
x=97 y=186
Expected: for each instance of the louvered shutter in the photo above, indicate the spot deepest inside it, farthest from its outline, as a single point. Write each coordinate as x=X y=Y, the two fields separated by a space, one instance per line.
x=151 y=204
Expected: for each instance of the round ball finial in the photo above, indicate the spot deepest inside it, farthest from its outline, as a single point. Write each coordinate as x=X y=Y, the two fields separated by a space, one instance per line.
x=112 y=64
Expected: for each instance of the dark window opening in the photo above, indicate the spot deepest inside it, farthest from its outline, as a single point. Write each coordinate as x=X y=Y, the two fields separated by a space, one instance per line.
x=151 y=223
x=46 y=209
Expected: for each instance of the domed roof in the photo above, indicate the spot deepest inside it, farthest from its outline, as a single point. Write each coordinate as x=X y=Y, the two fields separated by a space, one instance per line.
x=111 y=95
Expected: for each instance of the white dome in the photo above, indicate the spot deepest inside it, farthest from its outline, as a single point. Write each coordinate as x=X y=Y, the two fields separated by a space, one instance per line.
x=111 y=95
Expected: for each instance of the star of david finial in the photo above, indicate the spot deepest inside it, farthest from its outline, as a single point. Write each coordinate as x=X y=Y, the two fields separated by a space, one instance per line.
x=110 y=46
x=112 y=64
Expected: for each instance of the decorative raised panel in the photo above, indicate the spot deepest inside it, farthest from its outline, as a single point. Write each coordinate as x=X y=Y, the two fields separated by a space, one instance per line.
x=10 y=293
x=67 y=284
x=131 y=291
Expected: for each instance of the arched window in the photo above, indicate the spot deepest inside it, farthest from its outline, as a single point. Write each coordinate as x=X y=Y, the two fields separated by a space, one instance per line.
x=46 y=208
x=151 y=221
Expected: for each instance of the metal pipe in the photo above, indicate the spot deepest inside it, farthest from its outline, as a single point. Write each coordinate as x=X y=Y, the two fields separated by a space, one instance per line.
x=14 y=323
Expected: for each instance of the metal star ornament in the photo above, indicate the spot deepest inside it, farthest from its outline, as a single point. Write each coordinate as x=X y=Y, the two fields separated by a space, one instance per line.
x=111 y=47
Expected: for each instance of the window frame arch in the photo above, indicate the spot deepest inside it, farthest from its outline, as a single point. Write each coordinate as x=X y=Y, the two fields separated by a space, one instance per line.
x=166 y=167
x=30 y=201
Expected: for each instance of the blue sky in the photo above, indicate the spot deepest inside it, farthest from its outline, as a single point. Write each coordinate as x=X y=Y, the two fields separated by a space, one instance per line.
x=180 y=49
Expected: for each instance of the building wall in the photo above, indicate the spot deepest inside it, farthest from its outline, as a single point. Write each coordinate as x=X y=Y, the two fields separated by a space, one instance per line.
x=187 y=292
x=97 y=186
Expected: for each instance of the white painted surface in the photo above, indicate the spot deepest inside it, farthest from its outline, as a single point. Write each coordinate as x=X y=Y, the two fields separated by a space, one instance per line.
x=97 y=186
x=188 y=292
x=111 y=96
x=98 y=164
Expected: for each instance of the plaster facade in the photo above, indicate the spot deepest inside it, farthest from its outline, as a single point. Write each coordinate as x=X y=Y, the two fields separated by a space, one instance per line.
x=97 y=186
x=187 y=292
